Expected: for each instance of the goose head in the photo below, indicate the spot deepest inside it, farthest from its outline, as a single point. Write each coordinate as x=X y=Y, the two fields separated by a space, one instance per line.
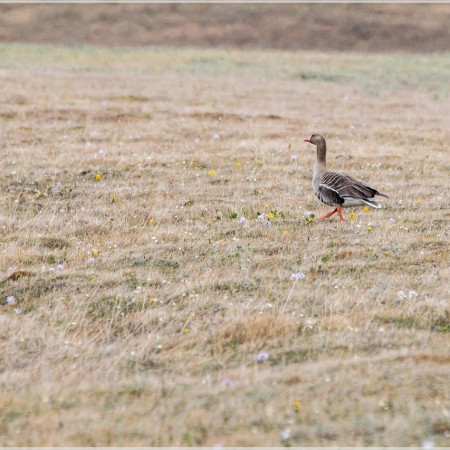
x=316 y=139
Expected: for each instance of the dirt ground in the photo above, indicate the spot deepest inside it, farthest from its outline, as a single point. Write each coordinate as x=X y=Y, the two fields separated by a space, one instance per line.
x=326 y=27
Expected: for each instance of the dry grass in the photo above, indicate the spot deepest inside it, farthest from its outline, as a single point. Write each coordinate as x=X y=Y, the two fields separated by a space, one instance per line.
x=155 y=343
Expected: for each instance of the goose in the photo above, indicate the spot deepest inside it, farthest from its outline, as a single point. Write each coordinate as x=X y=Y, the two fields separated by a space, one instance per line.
x=336 y=188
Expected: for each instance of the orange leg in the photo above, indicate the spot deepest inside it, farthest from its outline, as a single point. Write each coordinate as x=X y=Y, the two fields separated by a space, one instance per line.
x=338 y=210
x=328 y=215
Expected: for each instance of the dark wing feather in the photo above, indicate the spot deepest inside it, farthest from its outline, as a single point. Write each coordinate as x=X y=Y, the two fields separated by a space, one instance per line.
x=329 y=196
x=347 y=186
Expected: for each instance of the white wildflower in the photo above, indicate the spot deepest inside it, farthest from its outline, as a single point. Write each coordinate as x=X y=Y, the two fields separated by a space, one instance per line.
x=262 y=357
x=285 y=434
x=297 y=276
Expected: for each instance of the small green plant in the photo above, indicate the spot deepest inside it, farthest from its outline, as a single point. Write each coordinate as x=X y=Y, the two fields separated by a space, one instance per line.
x=50 y=259
x=326 y=257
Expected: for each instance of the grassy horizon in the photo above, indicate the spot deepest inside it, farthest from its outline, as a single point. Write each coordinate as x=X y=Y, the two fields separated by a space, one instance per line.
x=398 y=71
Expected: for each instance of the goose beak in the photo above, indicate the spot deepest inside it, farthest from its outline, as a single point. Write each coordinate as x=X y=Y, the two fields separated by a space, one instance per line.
x=307 y=140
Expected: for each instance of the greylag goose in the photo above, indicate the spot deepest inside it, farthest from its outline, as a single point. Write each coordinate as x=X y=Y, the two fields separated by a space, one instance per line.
x=336 y=188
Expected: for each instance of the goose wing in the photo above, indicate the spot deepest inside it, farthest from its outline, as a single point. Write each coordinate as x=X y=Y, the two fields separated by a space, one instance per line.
x=346 y=186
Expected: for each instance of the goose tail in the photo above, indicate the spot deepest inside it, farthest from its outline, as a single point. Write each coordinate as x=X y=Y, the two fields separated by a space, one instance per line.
x=372 y=203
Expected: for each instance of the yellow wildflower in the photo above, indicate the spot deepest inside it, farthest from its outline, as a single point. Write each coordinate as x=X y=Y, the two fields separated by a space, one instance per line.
x=297 y=405
x=285 y=232
x=113 y=197
x=387 y=253
x=261 y=190
x=260 y=163
x=238 y=164
x=186 y=330
x=153 y=299
x=212 y=172
x=266 y=206
x=281 y=169
x=419 y=201
x=352 y=216
x=98 y=177
x=152 y=221
x=366 y=209
x=369 y=228
x=271 y=215
x=94 y=252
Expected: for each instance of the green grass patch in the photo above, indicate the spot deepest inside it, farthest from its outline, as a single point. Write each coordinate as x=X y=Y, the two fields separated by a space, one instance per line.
x=114 y=307
x=374 y=72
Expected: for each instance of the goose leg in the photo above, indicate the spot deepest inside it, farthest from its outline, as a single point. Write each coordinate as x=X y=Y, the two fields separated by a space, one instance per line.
x=338 y=210
x=329 y=214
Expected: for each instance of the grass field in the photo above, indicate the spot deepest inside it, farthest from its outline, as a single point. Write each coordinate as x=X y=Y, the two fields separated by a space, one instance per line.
x=152 y=213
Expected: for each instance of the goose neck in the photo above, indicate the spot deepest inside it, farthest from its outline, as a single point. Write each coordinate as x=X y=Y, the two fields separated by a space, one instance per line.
x=322 y=154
